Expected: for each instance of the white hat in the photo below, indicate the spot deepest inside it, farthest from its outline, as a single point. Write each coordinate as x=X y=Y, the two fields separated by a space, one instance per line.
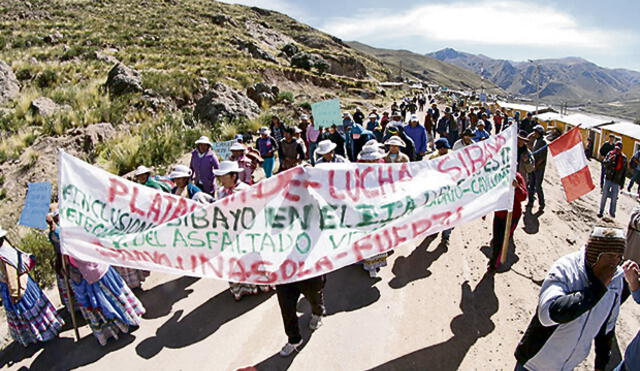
x=264 y=130
x=371 y=152
x=297 y=130
x=325 y=147
x=395 y=141
x=304 y=117
x=227 y=167
x=414 y=118
x=373 y=116
x=142 y=170
x=180 y=171
x=203 y=140
x=2 y=232
x=237 y=147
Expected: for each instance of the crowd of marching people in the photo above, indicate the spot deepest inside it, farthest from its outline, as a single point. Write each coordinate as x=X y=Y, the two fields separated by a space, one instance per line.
x=590 y=280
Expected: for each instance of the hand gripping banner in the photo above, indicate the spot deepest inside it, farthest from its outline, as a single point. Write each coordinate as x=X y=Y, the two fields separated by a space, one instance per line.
x=301 y=223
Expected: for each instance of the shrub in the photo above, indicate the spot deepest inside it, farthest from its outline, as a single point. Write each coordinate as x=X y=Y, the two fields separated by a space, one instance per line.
x=285 y=96
x=305 y=105
x=38 y=244
x=47 y=78
x=302 y=60
x=31 y=160
x=321 y=66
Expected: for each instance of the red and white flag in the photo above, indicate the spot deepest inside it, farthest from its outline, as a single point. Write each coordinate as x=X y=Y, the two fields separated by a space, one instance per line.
x=572 y=164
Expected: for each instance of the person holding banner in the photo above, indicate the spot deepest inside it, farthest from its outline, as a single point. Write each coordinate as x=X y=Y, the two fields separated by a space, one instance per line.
x=327 y=152
x=442 y=149
x=30 y=315
x=229 y=177
x=105 y=300
x=142 y=175
x=53 y=218
x=372 y=153
x=181 y=176
x=203 y=161
x=500 y=222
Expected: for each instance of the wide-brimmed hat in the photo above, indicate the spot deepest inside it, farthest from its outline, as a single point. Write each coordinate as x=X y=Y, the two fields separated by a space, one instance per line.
x=325 y=147
x=2 y=232
x=203 y=140
x=539 y=129
x=264 y=130
x=237 y=147
x=227 y=167
x=371 y=152
x=297 y=130
x=396 y=114
x=142 y=170
x=414 y=118
x=395 y=141
x=373 y=116
x=304 y=117
x=180 y=171
x=522 y=135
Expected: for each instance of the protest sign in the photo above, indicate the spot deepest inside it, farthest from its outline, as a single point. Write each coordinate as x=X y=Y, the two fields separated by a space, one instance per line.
x=222 y=148
x=301 y=223
x=326 y=113
x=36 y=205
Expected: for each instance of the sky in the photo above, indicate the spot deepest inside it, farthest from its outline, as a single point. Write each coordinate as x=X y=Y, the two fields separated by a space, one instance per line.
x=604 y=32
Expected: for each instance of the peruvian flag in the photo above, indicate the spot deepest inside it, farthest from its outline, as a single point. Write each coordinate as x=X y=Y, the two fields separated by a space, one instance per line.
x=572 y=165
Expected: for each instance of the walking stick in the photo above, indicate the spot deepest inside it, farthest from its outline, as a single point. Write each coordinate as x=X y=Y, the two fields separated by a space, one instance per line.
x=506 y=240
x=70 y=299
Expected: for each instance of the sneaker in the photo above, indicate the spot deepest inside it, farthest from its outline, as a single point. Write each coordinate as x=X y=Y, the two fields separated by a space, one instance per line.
x=289 y=348
x=373 y=273
x=316 y=321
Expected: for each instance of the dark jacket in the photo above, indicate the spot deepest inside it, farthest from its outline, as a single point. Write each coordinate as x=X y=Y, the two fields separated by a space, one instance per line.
x=338 y=139
x=605 y=149
x=610 y=171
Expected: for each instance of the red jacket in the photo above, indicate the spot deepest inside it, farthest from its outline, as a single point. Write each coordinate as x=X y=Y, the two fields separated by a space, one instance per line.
x=520 y=195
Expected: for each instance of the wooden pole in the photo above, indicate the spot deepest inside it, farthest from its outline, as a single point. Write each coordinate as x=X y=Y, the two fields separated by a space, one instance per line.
x=70 y=300
x=506 y=240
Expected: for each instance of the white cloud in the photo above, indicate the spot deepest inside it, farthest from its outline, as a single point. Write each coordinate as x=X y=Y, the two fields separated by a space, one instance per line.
x=282 y=6
x=489 y=23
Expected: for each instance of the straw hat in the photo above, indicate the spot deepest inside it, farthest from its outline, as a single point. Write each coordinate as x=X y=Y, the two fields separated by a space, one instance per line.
x=180 y=171
x=142 y=170
x=395 y=141
x=203 y=140
x=325 y=147
x=227 y=167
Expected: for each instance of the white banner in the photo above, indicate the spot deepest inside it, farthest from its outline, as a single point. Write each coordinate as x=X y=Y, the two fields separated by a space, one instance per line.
x=299 y=224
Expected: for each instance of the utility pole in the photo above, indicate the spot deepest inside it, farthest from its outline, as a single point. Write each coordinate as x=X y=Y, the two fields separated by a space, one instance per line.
x=401 y=71
x=537 y=84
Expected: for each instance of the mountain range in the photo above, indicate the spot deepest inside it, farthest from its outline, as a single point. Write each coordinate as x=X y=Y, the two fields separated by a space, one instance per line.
x=572 y=80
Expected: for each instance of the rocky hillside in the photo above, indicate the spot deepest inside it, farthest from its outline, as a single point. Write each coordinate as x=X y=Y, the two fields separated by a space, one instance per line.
x=122 y=83
x=571 y=79
x=427 y=68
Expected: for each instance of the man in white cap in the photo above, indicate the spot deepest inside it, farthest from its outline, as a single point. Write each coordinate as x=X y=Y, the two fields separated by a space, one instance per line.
x=418 y=134
x=203 y=161
x=327 y=153
x=238 y=154
x=373 y=125
x=267 y=146
x=394 y=155
x=143 y=176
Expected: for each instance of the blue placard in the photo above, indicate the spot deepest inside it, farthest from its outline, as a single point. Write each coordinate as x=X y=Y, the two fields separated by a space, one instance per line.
x=326 y=113
x=36 y=205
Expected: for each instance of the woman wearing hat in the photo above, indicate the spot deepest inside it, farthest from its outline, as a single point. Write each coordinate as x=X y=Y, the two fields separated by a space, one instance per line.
x=394 y=155
x=31 y=317
x=105 y=300
x=267 y=146
x=181 y=176
x=143 y=176
x=229 y=178
x=372 y=153
x=238 y=154
x=203 y=161
x=326 y=153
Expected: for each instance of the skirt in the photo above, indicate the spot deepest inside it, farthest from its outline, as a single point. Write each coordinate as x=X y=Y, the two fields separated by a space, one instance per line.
x=133 y=277
x=33 y=318
x=64 y=294
x=375 y=262
x=108 y=305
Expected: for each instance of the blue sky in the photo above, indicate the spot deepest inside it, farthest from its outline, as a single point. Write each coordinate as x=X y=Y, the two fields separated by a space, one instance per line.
x=604 y=32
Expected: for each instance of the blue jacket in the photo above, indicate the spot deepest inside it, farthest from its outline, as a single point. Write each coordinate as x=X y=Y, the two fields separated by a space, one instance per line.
x=191 y=190
x=419 y=136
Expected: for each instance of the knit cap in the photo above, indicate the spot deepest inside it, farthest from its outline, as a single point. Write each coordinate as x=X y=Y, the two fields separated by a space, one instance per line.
x=604 y=240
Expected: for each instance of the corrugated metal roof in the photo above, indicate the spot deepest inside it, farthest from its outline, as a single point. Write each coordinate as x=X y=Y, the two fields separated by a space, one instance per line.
x=522 y=107
x=626 y=128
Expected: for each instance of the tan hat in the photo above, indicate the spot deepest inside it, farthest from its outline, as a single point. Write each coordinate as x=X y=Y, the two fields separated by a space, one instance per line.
x=395 y=141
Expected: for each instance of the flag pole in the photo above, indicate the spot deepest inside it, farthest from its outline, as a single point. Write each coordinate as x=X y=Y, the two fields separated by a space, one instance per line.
x=506 y=240
x=70 y=299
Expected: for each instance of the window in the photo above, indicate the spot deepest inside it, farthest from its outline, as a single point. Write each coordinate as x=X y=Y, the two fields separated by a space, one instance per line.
x=636 y=147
